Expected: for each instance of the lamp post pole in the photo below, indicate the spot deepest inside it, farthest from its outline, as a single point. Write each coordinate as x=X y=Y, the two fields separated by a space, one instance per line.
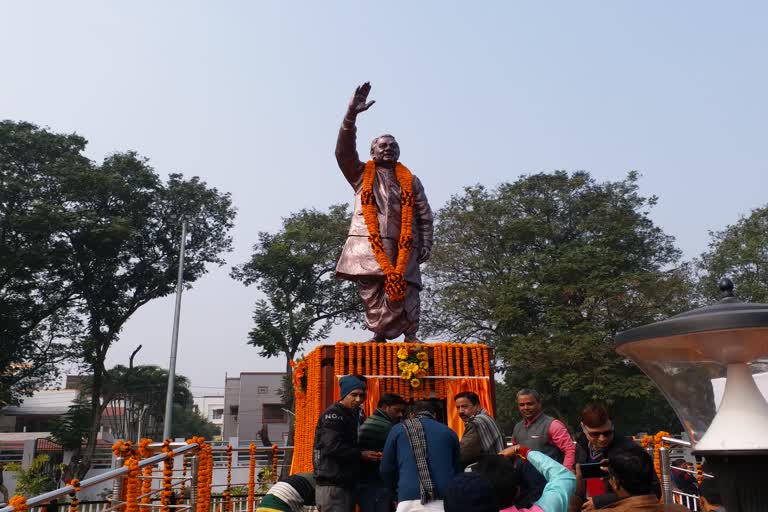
x=175 y=337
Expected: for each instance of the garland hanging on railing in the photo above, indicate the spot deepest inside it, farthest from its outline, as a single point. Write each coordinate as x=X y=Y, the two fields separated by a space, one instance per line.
x=74 y=502
x=146 y=477
x=274 y=463
x=132 y=484
x=658 y=442
x=204 y=473
x=251 y=477
x=228 y=490
x=165 y=495
x=19 y=503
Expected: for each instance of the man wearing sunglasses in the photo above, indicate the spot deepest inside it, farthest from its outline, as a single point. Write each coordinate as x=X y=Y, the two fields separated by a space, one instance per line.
x=596 y=443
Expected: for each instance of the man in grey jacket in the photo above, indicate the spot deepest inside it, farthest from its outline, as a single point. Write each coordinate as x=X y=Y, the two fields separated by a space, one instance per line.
x=387 y=318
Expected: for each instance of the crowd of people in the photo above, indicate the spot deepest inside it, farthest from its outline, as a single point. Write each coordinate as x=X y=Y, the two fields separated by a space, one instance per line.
x=402 y=458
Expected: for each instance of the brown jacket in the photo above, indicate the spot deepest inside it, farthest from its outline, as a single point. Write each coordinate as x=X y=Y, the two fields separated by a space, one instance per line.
x=357 y=259
x=648 y=503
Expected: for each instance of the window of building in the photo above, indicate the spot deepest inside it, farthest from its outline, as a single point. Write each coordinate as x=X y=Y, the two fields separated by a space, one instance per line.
x=273 y=413
x=216 y=414
x=262 y=390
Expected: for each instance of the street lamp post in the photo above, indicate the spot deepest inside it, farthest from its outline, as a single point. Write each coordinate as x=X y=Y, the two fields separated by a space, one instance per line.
x=175 y=337
x=683 y=355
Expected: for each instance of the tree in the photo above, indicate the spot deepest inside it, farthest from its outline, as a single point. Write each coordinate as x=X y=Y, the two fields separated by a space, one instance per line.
x=740 y=252
x=116 y=231
x=547 y=269
x=35 y=292
x=34 y=480
x=294 y=268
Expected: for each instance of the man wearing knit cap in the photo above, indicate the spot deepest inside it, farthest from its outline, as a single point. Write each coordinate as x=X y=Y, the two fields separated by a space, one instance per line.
x=336 y=454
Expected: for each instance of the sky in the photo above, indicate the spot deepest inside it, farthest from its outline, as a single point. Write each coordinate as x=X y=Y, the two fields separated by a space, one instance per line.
x=249 y=96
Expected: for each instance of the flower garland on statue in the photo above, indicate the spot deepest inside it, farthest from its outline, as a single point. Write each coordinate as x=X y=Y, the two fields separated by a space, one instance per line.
x=394 y=274
x=413 y=364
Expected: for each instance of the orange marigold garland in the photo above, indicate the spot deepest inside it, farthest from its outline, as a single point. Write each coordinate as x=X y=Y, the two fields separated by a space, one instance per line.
x=658 y=442
x=74 y=502
x=165 y=495
x=204 y=474
x=133 y=484
x=146 y=482
x=228 y=490
x=251 y=476
x=19 y=503
x=394 y=274
x=274 y=463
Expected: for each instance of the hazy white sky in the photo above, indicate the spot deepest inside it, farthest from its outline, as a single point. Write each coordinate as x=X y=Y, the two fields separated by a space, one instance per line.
x=249 y=95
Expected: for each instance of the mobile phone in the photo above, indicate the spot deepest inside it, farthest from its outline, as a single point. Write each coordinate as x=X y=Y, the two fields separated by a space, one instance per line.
x=592 y=471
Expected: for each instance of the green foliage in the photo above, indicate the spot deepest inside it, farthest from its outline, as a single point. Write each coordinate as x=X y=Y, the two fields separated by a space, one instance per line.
x=71 y=429
x=188 y=423
x=294 y=268
x=547 y=269
x=740 y=252
x=35 y=479
x=35 y=292
x=104 y=239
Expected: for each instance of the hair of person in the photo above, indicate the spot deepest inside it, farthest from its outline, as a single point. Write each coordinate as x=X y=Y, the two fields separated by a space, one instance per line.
x=595 y=415
x=390 y=399
x=376 y=139
x=529 y=392
x=469 y=395
x=470 y=492
x=633 y=469
x=502 y=474
x=710 y=490
x=423 y=406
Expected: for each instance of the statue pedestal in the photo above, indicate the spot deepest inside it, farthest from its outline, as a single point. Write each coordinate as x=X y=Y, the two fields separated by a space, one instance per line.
x=452 y=368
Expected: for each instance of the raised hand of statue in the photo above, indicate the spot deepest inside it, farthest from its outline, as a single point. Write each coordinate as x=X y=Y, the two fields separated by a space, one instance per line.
x=359 y=102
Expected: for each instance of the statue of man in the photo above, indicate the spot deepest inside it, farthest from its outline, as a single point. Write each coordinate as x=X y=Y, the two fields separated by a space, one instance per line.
x=382 y=254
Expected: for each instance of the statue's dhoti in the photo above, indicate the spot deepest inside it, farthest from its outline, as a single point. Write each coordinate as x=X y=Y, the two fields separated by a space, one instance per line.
x=389 y=319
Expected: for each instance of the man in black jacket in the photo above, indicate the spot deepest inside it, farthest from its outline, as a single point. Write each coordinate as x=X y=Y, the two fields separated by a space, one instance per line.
x=598 y=442
x=336 y=455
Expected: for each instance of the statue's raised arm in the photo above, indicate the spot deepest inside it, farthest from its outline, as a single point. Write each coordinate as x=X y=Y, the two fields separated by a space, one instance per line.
x=346 y=150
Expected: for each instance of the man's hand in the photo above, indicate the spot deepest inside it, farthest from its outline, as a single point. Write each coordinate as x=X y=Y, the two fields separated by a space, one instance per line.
x=588 y=505
x=510 y=451
x=359 y=102
x=424 y=254
x=370 y=456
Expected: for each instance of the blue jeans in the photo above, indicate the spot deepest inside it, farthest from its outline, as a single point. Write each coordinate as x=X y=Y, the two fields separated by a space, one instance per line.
x=373 y=497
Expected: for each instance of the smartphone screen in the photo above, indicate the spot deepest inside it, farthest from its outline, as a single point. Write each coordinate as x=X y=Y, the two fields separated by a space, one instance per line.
x=592 y=471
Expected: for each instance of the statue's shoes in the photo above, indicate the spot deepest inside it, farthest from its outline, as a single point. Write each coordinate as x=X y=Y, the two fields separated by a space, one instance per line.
x=411 y=339
x=377 y=339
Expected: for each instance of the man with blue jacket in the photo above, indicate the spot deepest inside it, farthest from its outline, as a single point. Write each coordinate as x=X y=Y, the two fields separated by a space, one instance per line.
x=421 y=457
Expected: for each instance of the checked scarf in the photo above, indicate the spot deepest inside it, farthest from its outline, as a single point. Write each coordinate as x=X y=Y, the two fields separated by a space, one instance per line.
x=418 y=442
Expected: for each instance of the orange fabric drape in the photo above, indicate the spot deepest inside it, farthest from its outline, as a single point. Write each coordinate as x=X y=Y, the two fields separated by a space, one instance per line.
x=372 y=395
x=455 y=386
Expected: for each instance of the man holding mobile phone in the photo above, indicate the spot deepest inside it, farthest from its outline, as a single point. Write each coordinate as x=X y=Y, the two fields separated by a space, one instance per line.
x=594 y=447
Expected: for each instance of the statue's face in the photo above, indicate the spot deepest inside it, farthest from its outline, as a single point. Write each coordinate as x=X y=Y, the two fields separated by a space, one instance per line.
x=385 y=150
